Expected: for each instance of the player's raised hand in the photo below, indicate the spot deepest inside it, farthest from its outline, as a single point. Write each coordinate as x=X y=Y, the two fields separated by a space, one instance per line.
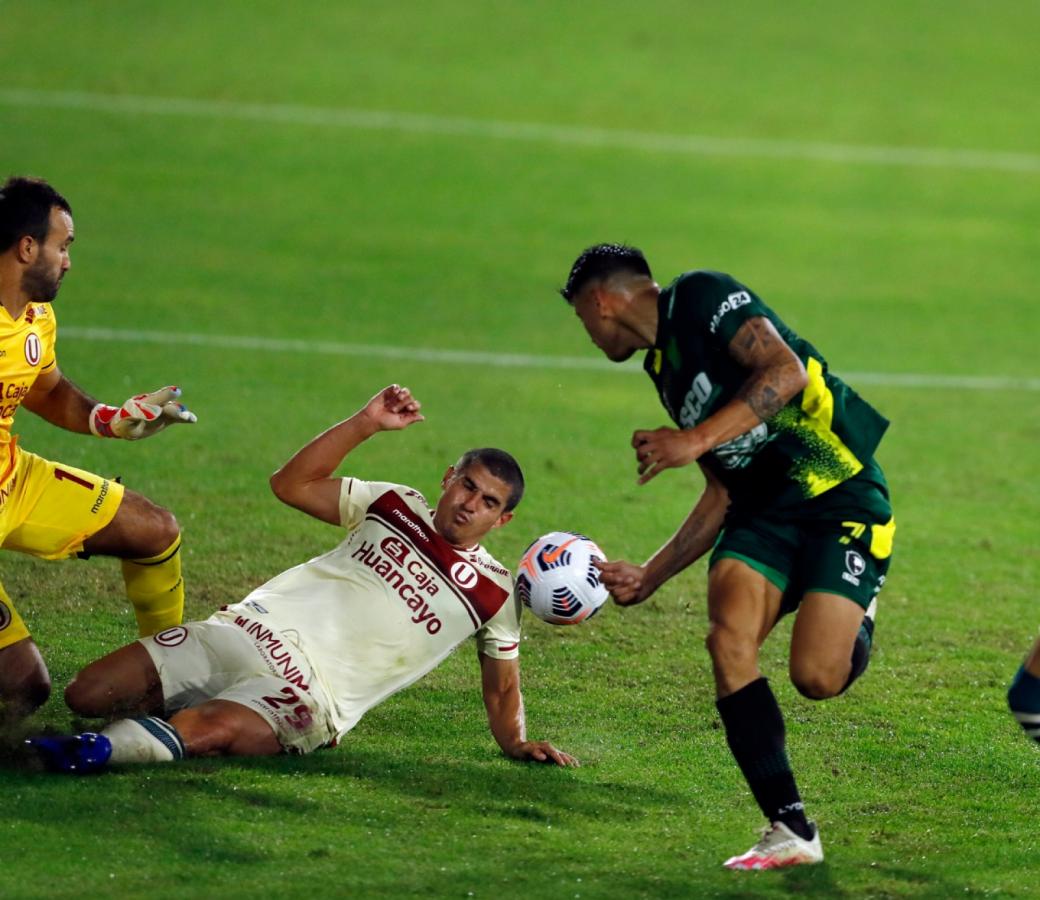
x=664 y=448
x=141 y=416
x=624 y=580
x=393 y=408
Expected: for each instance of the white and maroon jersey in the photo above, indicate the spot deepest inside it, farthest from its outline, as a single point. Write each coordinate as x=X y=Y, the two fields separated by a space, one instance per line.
x=388 y=604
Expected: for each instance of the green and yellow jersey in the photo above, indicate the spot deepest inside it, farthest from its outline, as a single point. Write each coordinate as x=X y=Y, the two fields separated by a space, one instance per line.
x=823 y=437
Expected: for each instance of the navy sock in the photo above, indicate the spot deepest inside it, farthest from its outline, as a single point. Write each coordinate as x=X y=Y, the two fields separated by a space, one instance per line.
x=860 y=652
x=1024 y=701
x=755 y=733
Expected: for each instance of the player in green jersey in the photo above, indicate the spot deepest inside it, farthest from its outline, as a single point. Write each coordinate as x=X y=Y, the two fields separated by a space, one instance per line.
x=795 y=510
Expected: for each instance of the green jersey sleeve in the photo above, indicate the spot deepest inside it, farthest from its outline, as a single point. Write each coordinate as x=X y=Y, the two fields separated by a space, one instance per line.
x=715 y=304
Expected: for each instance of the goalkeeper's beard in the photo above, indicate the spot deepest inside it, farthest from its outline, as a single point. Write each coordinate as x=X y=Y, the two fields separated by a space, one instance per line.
x=39 y=285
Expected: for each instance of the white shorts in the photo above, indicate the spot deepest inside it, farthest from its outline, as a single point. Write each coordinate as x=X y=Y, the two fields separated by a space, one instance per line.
x=218 y=660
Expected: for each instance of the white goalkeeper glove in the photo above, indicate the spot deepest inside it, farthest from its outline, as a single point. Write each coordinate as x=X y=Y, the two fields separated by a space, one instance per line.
x=141 y=416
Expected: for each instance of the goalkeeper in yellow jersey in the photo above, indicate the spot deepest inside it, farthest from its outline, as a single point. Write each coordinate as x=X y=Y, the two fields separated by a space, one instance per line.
x=48 y=509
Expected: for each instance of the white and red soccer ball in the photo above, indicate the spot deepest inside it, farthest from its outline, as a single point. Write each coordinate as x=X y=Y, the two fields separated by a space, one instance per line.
x=557 y=580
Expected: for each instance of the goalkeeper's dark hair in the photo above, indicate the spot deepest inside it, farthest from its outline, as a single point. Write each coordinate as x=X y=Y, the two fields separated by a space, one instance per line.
x=25 y=209
x=600 y=262
x=500 y=464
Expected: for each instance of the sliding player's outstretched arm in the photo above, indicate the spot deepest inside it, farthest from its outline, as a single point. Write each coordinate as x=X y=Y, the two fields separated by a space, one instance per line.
x=306 y=481
x=500 y=681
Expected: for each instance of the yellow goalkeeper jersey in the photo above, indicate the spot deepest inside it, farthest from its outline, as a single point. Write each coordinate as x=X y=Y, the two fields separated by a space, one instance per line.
x=26 y=351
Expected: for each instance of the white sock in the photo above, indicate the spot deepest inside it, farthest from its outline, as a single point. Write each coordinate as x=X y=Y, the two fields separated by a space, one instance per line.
x=143 y=740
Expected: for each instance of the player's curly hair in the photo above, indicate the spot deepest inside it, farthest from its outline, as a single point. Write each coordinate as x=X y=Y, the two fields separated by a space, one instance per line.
x=601 y=261
x=25 y=209
x=500 y=464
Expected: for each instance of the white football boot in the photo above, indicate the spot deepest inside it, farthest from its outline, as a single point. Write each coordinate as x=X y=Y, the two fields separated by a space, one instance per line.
x=779 y=847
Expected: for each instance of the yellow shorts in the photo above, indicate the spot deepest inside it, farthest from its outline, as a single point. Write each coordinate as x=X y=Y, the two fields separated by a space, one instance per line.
x=48 y=510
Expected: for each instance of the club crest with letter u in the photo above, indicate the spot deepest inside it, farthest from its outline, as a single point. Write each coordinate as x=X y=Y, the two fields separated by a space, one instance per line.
x=32 y=348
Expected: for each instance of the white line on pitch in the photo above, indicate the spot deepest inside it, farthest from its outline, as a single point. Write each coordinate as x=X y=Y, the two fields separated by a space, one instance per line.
x=499 y=360
x=386 y=120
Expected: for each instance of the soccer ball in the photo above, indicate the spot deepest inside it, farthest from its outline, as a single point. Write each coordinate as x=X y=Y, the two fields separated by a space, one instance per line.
x=557 y=580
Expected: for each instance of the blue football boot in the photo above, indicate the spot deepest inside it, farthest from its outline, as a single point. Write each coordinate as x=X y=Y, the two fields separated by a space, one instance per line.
x=74 y=754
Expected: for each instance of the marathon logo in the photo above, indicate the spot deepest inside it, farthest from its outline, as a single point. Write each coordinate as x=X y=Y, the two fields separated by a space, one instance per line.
x=278 y=656
x=410 y=524
x=732 y=302
x=406 y=576
x=100 y=497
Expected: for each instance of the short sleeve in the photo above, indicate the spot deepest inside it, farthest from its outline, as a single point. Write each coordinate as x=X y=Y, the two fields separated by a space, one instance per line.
x=716 y=302
x=48 y=339
x=356 y=496
x=500 y=636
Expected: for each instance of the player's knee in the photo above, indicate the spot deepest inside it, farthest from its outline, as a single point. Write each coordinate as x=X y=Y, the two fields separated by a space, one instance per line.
x=161 y=533
x=27 y=693
x=25 y=684
x=89 y=695
x=818 y=682
x=166 y=529
x=147 y=529
x=34 y=691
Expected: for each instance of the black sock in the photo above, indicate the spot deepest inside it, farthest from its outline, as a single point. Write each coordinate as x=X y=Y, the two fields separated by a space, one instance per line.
x=860 y=652
x=755 y=732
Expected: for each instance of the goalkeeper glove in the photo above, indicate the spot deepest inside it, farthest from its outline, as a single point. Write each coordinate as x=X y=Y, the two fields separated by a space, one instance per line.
x=140 y=416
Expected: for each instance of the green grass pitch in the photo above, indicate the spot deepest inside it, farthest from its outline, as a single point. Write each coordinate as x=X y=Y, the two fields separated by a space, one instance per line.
x=419 y=176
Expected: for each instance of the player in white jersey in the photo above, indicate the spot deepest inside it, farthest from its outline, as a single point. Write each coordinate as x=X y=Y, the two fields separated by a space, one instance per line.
x=298 y=662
